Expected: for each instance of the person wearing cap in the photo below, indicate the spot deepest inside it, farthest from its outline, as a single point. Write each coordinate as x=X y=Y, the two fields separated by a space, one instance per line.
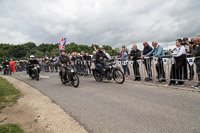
x=64 y=60
x=100 y=58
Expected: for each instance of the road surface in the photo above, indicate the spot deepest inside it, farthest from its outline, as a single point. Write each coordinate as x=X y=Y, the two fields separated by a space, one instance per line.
x=108 y=107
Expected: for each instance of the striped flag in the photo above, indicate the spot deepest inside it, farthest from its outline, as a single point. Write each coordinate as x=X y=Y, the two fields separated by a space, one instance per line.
x=62 y=43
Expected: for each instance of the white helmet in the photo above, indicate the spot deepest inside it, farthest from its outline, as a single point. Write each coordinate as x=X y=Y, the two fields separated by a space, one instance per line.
x=32 y=56
x=100 y=47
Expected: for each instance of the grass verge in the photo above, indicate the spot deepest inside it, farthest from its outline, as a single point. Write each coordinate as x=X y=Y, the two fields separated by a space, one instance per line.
x=10 y=128
x=8 y=96
x=8 y=93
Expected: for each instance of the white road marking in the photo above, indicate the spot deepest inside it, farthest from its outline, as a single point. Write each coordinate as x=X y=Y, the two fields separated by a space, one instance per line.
x=44 y=77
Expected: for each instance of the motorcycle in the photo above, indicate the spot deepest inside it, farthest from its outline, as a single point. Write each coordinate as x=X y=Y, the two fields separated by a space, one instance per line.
x=7 y=70
x=35 y=69
x=70 y=76
x=111 y=72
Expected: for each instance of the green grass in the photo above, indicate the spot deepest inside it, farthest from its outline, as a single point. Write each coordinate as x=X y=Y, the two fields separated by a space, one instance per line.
x=8 y=94
x=10 y=128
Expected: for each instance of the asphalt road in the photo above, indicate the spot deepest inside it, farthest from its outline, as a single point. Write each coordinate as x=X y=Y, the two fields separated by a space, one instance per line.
x=109 y=107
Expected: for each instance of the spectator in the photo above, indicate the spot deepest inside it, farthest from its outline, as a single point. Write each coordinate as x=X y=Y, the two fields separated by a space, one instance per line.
x=188 y=48
x=147 y=61
x=123 y=47
x=196 y=53
x=73 y=61
x=88 y=61
x=79 y=62
x=134 y=56
x=158 y=52
x=179 y=55
x=124 y=58
x=51 y=64
x=94 y=57
x=55 y=59
x=107 y=54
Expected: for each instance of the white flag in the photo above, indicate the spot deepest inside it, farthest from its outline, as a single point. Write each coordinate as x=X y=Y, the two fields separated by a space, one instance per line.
x=124 y=62
x=165 y=60
x=191 y=60
x=119 y=63
x=131 y=62
x=155 y=60
x=139 y=62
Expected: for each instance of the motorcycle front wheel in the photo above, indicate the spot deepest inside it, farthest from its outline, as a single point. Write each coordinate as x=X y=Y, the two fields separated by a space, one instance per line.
x=118 y=76
x=75 y=80
x=98 y=76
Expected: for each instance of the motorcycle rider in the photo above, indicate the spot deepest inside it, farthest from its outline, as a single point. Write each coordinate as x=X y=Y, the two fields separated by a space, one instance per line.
x=5 y=63
x=100 y=60
x=64 y=60
x=31 y=63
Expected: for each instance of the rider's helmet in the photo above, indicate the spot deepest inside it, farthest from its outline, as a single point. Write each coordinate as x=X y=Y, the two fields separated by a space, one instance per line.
x=100 y=48
x=32 y=57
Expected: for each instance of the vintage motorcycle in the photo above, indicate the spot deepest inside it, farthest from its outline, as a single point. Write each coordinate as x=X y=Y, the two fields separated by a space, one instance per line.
x=70 y=76
x=7 y=70
x=35 y=69
x=111 y=72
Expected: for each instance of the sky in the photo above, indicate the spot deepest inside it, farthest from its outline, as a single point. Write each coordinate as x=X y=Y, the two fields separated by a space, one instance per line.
x=103 y=22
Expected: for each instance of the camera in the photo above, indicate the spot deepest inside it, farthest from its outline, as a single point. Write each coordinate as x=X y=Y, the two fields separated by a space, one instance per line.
x=183 y=43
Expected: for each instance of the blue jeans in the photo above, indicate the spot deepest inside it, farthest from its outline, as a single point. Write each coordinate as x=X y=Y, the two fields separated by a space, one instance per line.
x=125 y=68
x=101 y=67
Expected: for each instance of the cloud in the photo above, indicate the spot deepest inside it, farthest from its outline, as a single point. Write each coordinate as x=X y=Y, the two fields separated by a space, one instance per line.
x=113 y=22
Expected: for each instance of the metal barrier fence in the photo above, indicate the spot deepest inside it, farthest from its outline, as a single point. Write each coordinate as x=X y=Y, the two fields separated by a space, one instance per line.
x=148 y=69
x=162 y=69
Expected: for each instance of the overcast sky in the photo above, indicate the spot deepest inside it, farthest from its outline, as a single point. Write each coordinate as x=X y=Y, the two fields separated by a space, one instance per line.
x=109 y=22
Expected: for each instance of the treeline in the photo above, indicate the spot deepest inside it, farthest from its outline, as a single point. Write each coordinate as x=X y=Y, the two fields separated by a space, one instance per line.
x=23 y=51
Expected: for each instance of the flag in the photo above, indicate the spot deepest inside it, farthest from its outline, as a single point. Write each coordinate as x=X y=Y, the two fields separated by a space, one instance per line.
x=165 y=60
x=155 y=60
x=62 y=43
x=139 y=62
x=191 y=60
x=131 y=62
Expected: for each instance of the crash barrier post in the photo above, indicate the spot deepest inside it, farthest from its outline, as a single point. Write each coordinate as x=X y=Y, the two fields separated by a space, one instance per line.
x=83 y=67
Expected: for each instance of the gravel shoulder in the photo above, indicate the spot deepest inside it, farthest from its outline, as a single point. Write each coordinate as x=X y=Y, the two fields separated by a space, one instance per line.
x=35 y=112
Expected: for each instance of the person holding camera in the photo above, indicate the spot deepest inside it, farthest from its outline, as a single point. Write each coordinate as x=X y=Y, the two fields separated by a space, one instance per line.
x=188 y=46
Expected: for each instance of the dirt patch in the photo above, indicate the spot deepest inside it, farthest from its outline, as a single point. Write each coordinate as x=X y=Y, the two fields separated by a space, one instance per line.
x=36 y=113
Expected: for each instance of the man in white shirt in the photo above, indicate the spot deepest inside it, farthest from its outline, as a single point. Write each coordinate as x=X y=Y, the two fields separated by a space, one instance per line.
x=179 y=55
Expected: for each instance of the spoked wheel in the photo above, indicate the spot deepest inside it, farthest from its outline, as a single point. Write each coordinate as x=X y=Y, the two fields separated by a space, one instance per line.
x=75 y=80
x=63 y=80
x=98 y=76
x=119 y=76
